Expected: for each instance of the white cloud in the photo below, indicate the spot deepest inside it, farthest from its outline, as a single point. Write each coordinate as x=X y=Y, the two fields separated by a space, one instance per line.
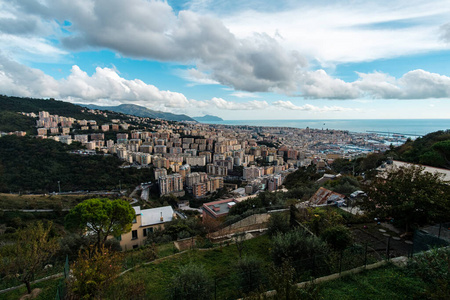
x=245 y=95
x=228 y=105
x=318 y=84
x=348 y=31
x=308 y=107
x=104 y=84
x=150 y=29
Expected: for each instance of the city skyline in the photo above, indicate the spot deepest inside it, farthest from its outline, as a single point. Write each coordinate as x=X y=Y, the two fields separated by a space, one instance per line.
x=237 y=60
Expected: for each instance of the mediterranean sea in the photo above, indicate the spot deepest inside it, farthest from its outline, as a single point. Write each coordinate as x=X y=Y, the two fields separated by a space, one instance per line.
x=408 y=127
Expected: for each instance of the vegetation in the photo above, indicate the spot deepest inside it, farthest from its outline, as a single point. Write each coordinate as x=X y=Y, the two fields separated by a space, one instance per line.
x=433 y=267
x=13 y=121
x=410 y=196
x=191 y=282
x=33 y=248
x=54 y=107
x=295 y=246
x=93 y=271
x=384 y=283
x=101 y=218
x=431 y=149
x=34 y=165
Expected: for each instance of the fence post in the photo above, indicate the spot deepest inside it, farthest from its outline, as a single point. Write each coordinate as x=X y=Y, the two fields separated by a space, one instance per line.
x=365 y=256
x=215 y=288
x=388 y=246
x=314 y=266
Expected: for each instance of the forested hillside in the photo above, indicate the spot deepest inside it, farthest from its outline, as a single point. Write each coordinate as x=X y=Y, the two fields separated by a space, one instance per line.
x=432 y=150
x=54 y=107
x=33 y=165
x=12 y=121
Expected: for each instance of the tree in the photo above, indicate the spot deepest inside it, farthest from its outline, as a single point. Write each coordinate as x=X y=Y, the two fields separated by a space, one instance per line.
x=191 y=282
x=101 y=218
x=409 y=195
x=93 y=272
x=32 y=250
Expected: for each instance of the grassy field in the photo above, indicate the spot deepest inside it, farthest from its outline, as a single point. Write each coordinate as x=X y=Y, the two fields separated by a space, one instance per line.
x=15 y=201
x=385 y=283
x=220 y=263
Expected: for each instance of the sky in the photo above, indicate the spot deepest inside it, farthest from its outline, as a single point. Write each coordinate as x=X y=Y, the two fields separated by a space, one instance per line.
x=235 y=59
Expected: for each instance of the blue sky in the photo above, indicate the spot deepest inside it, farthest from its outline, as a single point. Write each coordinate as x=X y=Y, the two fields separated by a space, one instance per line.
x=235 y=59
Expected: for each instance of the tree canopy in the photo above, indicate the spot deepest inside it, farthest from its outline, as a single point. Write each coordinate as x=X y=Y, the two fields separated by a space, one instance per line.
x=32 y=249
x=102 y=218
x=409 y=195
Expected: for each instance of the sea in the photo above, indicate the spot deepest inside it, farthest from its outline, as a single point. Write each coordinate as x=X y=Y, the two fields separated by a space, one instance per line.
x=407 y=127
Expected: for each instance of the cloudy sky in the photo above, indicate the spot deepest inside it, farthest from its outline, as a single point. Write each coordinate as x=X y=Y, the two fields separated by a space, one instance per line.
x=253 y=59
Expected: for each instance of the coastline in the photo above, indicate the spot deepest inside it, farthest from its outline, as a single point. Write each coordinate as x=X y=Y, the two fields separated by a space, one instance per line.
x=408 y=127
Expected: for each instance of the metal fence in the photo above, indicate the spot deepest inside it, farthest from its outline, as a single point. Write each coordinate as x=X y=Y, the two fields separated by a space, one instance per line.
x=431 y=237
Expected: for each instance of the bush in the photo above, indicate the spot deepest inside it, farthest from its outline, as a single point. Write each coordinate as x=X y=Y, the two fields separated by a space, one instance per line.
x=296 y=246
x=250 y=273
x=338 y=237
x=433 y=267
x=278 y=223
x=191 y=282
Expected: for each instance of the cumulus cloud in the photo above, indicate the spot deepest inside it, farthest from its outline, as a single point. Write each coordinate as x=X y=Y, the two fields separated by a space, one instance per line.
x=319 y=84
x=104 y=84
x=151 y=29
x=416 y=84
x=308 y=107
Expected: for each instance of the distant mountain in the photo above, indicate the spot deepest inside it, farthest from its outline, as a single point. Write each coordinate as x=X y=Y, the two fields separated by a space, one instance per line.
x=140 y=111
x=207 y=118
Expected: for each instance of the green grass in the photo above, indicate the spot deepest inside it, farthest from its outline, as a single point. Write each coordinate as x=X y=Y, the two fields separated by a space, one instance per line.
x=219 y=262
x=384 y=283
x=48 y=290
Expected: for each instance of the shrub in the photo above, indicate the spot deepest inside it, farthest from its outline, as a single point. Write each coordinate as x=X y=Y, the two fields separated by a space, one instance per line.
x=278 y=223
x=191 y=282
x=338 y=237
x=250 y=273
x=433 y=267
x=297 y=246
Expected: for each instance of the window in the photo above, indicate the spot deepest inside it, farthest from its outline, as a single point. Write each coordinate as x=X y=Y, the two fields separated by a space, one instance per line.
x=134 y=235
x=119 y=238
x=134 y=220
x=135 y=246
x=144 y=231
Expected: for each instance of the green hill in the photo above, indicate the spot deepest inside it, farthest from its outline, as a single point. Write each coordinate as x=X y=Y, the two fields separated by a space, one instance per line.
x=13 y=121
x=432 y=149
x=54 y=107
x=33 y=165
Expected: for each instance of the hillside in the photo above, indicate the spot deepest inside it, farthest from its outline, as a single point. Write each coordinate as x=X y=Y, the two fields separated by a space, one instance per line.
x=54 y=107
x=34 y=165
x=140 y=111
x=432 y=149
x=12 y=121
